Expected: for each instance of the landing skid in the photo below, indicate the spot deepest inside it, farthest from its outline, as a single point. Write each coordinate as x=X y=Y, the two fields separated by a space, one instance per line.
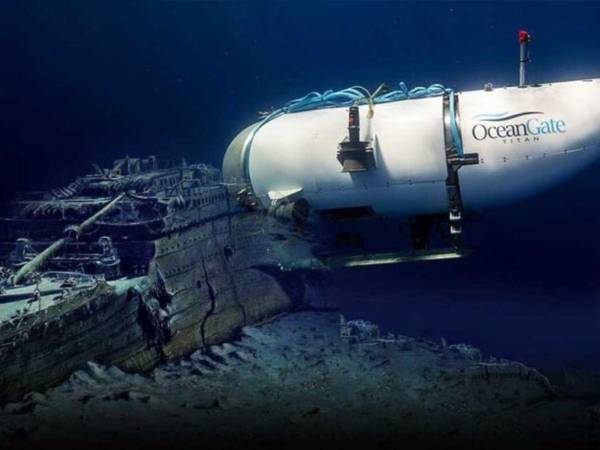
x=375 y=259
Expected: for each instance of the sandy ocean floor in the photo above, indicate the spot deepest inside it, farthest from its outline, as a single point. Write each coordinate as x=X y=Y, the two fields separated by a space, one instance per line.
x=294 y=382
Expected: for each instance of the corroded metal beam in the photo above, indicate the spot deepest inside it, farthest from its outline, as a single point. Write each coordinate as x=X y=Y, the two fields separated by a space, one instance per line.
x=43 y=256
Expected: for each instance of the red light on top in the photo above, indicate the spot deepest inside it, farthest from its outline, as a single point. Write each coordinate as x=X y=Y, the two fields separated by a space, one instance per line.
x=524 y=36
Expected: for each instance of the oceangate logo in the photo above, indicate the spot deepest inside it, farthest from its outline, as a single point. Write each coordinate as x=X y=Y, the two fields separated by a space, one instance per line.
x=521 y=129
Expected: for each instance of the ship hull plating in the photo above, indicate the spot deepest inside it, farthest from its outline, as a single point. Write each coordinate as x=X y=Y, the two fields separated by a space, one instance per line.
x=195 y=281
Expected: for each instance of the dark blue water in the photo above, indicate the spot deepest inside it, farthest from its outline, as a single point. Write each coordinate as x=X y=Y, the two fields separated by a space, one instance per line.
x=530 y=291
x=84 y=82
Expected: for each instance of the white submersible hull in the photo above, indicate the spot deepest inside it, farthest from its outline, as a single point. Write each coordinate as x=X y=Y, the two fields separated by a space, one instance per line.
x=524 y=140
x=425 y=159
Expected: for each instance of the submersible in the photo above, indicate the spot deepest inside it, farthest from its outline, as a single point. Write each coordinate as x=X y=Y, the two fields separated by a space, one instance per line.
x=421 y=152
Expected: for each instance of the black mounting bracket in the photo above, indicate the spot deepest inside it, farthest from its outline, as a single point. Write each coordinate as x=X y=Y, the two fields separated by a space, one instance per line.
x=353 y=154
x=454 y=161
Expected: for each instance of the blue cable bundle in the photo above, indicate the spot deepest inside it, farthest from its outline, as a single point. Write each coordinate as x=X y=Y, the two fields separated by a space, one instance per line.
x=329 y=98
x=403 y=93
x=359 y=95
